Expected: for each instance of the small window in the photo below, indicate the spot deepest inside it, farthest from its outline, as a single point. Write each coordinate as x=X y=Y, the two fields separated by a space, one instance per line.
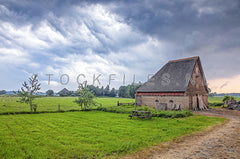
x=156 y=100
x=171 y=101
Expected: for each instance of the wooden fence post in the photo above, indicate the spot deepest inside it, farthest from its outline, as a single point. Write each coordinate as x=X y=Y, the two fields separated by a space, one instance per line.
x=59 y=107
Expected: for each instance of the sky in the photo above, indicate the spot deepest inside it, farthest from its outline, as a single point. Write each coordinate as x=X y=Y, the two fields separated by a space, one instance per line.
x=125 y=41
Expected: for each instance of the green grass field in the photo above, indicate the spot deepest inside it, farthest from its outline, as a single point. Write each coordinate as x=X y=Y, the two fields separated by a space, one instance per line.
x=219 y=99
x=217 y=102
x=9 y=104
x=88 y=134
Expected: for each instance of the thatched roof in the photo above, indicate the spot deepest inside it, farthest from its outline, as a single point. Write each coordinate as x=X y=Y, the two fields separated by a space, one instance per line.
x=172 y=77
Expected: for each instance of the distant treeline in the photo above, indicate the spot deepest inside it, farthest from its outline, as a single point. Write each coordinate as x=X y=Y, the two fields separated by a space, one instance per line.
x=123 y=91
x=223 y=94
x=230 y=94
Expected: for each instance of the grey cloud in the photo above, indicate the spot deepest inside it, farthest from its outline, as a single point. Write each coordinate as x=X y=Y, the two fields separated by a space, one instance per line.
x=210 y=29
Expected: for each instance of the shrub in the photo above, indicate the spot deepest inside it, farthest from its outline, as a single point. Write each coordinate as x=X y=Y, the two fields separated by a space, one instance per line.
x=216 y=104
x=160 y=114
x=171 y=114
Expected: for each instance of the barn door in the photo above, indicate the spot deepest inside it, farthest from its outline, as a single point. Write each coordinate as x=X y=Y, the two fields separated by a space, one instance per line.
x=197 y=102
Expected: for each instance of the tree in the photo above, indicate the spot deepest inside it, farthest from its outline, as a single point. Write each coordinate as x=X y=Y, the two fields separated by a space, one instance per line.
x=93 y=89
x=85 y=98
x=102 y=91
x=123 y=91
x=28 y=92
x=50 y=92
x=3 y=92
x=132 y=91
x=227 y=97
x=107 y=91
x=113 y=93
x=98 y=91
x=128 y=91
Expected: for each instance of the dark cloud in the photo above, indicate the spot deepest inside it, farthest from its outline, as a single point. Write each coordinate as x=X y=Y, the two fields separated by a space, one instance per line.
x=183 y=28
x=209 y=29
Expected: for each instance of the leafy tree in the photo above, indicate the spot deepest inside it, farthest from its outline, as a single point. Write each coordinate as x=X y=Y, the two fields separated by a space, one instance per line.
x=227 y=97
x=132 y=89
x=210 y=94
x=28 y=92
x=123 y=91
x=3 y=92
x=128 y=91
x=50 y=92
x=85 y=99
x=93 y=89
x=102 y=91
x=113 y=93
x=98 y=91
x=107 y=91
x=61 y=94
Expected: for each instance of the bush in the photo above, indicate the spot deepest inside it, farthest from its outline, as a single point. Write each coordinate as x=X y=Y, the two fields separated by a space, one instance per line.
x=171 y=114
x=160 y=114
x=216 y=104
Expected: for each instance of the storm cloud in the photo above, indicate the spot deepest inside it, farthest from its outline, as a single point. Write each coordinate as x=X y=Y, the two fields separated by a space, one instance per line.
x=115 y=37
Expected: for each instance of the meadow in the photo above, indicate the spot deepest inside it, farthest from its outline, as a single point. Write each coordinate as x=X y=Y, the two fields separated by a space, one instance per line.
x=89 y=134
x=217 y=102
x=219 y=99
x=86 y=134
x=50 y=104
x=10 y=104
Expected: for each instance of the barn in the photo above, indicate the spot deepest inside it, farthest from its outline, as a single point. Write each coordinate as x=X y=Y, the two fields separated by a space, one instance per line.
x=179 y=84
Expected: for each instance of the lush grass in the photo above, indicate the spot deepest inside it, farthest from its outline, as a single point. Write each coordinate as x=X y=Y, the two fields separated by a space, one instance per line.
x=217 y=101
x=88 y=134
x=9 y=104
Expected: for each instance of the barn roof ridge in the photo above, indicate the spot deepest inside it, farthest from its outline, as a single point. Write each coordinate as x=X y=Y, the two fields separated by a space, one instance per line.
x=189 y=58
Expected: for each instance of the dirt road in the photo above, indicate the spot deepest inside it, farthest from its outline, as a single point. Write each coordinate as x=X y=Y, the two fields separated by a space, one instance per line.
x=218 y=143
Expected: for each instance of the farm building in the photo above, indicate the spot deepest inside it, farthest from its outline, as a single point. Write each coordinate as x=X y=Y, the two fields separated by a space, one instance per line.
x=180 y=84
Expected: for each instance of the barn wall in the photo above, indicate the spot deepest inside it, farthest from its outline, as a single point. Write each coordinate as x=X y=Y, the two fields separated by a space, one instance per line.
x=196 y=89
x=138 y=100
x=196 y=84
x=162 y=100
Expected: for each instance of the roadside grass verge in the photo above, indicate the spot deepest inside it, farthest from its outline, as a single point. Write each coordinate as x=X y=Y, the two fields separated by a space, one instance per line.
x=89 y=134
